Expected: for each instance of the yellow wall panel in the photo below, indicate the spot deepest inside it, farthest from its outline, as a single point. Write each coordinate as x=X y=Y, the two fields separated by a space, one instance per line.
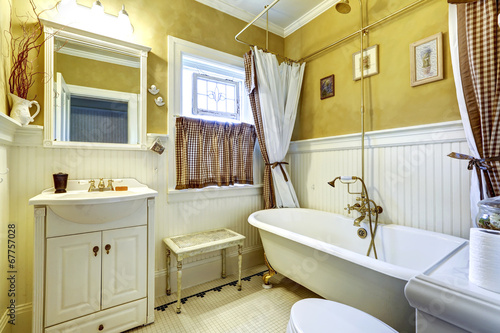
x=390 y=101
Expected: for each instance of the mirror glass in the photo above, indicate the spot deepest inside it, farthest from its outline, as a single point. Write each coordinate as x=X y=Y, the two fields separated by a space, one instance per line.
x=96 y=93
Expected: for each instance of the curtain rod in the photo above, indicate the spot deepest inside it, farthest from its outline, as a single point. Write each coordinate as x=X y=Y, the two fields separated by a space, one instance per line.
x=418 y=2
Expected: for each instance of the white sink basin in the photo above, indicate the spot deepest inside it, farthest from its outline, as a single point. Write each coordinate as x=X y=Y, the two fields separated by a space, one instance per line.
x=80 y=206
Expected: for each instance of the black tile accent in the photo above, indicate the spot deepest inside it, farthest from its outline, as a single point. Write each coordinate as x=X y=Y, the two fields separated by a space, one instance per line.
x=202 y=294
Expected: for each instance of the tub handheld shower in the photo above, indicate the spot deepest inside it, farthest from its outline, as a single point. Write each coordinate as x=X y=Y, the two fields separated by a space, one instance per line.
x=364 y=207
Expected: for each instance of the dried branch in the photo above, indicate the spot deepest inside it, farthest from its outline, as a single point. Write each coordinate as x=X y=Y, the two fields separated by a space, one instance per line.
x=25 y=50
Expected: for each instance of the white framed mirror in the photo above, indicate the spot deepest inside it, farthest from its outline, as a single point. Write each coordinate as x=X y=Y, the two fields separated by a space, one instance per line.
x=96 y=90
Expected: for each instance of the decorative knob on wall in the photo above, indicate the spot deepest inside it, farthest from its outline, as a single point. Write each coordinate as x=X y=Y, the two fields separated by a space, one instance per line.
x=153 y=90
x=159 y=101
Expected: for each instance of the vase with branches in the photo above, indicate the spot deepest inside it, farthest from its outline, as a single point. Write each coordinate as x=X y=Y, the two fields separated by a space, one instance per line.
x=25 y=48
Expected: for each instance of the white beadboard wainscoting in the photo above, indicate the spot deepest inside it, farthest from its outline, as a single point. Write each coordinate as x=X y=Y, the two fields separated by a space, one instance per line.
x=407 y=172
x=31 y=168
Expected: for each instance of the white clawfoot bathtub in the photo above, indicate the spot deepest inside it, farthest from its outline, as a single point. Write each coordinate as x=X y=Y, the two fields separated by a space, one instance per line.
x=322 y=252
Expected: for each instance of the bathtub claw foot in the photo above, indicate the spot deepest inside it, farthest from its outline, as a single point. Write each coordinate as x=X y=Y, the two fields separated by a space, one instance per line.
x=267 y=275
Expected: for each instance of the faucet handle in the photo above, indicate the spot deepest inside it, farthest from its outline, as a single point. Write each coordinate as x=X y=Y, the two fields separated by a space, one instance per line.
x=349 y=208
x=92 y=185
x=110 y=184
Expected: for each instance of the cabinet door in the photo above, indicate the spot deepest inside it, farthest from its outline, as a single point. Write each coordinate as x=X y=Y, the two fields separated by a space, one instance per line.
x=124 y=265
x=73 y=277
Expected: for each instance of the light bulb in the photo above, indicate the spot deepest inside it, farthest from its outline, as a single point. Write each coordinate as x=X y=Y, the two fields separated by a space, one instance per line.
x=124 y=21
x=66 y=7
x=97 y=8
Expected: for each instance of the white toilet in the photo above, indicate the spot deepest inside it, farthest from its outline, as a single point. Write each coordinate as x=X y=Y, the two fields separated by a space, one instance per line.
x=314 y=315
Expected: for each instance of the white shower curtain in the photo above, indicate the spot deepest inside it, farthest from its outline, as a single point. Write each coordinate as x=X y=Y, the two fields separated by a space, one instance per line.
x=279 y=92
x=453 y=35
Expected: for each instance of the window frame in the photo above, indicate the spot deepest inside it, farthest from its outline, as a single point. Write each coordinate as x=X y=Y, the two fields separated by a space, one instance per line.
x=176 y=49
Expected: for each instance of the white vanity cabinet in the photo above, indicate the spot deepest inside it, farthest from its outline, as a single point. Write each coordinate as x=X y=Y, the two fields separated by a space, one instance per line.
x=92 y=277
x=94 y=271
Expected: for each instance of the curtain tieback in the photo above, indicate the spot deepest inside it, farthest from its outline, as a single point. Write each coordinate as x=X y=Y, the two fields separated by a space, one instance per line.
x=275 y=164
x=479 y=163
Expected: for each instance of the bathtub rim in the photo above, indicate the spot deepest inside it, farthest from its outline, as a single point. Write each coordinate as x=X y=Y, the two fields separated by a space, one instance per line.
x=383 y=267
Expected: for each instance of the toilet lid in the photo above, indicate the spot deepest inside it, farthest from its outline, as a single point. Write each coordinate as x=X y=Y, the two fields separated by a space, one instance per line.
x=320 y=315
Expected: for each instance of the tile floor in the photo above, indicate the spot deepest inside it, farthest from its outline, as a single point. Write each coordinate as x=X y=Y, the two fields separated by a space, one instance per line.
x=217 y=306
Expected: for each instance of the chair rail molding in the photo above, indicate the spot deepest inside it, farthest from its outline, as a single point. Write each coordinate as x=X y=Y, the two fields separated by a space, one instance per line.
x=451 y=131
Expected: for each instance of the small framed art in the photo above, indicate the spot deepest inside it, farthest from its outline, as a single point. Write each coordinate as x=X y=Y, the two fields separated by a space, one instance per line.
x=370 y=63
x=327 y=86
x=426 y=60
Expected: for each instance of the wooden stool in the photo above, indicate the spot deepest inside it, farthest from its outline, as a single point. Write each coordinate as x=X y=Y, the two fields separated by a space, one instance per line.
x=198 y=243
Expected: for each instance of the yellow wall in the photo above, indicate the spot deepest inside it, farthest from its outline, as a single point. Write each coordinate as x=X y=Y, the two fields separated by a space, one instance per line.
x=5 y=61
x=153 y=21
x=97 y=74
x=390 y=101
x=4 y=191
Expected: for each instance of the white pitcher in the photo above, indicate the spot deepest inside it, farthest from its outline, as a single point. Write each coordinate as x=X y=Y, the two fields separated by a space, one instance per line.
x=20 y=109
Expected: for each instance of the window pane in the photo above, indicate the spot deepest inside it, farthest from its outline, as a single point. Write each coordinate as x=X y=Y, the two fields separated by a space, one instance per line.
x=230 y=92
x=202 y=102
x=202 y=86
x=230 y=106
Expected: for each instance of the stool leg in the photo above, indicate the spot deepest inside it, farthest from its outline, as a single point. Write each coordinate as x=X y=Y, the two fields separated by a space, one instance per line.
x=240 y=259
x=168 y=273
x=223 y=274
x=179 y=283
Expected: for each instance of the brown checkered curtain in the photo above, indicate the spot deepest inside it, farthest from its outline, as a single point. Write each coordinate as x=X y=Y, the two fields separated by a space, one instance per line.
x=253 y=95
x=213 y=153
x=478 y=39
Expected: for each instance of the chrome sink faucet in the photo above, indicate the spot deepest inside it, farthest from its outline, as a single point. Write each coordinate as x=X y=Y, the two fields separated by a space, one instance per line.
x=100 y=187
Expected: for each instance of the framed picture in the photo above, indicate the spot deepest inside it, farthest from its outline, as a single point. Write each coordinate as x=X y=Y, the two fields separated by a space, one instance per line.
x=370 y=63
x=327 y=86
x=426 y=60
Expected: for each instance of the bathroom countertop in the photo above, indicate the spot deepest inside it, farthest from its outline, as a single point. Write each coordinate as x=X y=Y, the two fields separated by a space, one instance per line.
x=446 y=293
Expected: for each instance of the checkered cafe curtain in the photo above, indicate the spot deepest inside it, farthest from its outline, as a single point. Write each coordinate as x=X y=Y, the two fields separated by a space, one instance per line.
x=213 y=153
x=478 y=42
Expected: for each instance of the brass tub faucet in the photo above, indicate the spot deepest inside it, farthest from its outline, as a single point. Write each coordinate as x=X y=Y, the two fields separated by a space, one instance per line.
x=365 y=206
x=101 y=187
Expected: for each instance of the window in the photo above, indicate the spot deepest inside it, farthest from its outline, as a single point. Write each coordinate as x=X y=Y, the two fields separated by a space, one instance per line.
x=216 y=97
x=207 y=84
x=212 y=89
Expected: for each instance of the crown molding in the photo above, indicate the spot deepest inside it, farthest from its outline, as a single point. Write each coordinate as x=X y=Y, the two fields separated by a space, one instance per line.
x=261 y=23
x=243 y=15
x=309 y=16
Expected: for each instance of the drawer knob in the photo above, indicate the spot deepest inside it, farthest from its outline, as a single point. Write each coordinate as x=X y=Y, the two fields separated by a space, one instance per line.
x=107 y=248
x=101 y=327
x=95 y=249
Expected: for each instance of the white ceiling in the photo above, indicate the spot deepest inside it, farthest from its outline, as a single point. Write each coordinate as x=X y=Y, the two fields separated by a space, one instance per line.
x=284 y=18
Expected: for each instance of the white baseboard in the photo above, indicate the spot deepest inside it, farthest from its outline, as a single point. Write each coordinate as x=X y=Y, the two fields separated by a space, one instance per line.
x=207 y=270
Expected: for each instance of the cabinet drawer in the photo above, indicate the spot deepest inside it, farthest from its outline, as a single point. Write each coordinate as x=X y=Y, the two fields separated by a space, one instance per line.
x=117 y=319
